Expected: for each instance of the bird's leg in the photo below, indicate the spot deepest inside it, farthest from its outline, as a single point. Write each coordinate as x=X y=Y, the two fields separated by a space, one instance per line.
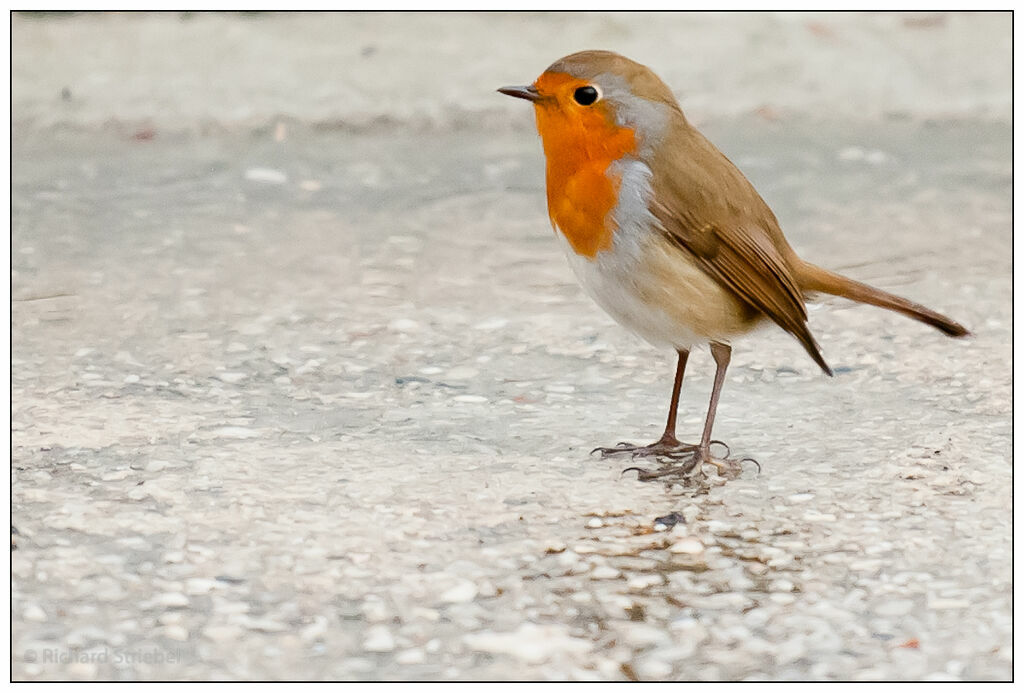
x=696 y=455
x=722 y=353
x=668 y=445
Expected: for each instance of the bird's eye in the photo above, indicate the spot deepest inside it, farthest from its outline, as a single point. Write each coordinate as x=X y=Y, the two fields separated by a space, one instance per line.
x=585 y=96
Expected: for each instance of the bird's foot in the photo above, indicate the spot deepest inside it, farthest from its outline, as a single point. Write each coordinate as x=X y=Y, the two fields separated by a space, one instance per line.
x=665 y=447
x=692 y=463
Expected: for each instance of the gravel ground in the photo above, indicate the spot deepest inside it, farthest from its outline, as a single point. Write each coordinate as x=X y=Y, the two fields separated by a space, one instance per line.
x=301 y=400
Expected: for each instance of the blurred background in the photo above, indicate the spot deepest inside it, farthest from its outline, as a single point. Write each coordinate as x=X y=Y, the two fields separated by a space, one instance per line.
x=185 y=72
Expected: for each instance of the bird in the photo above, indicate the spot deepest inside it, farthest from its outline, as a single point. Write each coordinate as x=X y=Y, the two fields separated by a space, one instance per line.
x=667 y=235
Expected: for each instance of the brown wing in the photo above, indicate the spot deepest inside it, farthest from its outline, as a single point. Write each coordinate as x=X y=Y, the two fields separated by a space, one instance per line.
x=715 y=214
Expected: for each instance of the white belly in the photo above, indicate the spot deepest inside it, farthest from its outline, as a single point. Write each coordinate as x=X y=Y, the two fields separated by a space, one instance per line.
x=651 y=287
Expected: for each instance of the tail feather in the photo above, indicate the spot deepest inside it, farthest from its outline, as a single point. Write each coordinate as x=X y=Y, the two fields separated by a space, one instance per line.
x=812 y=278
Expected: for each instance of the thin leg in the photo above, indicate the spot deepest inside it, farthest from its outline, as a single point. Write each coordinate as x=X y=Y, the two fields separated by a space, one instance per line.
x=669 y=436
x=722 y=353
x=668 y=445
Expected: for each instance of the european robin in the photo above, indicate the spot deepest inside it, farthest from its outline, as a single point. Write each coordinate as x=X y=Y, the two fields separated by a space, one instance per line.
x=666 y=234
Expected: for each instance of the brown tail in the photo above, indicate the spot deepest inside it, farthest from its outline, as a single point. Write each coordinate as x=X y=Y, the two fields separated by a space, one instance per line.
x=813 y=278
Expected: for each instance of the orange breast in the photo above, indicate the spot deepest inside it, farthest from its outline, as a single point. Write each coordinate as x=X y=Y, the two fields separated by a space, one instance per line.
x=580 y=144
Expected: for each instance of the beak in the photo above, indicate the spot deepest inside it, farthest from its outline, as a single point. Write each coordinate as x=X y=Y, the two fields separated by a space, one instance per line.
x=529 y=93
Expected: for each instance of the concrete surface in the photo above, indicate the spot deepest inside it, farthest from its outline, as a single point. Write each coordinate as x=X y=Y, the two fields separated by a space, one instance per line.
x=304 y=398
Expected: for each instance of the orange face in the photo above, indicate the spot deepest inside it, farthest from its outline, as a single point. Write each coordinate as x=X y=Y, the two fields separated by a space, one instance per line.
x=580 y=142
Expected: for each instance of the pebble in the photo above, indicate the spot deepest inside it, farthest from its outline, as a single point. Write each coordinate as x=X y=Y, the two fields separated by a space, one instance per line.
x=266 y=175
x=378 y=639
x=33 y=612
x=176 y=632
x=605 y=572
x=595 y=523
x=464 y=591
x=411 y=656
x=232 y=377
x=687 y=545
x=201 y=585
x=172 y=600
x=642 y=582
x=641 y=635
x=782 y=585
x=491 y=324
x=812 y=516
x=530 y=643
x=83 y=670
x=651 y=668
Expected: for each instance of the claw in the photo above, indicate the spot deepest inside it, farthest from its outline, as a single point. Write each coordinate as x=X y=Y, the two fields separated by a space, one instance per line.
x=755 y=462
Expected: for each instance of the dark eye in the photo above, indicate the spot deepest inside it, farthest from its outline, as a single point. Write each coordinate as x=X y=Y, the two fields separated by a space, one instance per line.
x=585 y=96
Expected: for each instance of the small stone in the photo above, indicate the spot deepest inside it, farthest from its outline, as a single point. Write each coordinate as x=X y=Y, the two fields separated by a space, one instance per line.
x=782 y=585
x=34 y=613
x=940 y=603
x=82 y=670
x=172 y=600
x=464 y=591
x=428 y=614
x=412 y=656
x=642 y=582
x=266 y=175
x=470 y=399
x=200 y=585
x=491 y=324
x=595 y=523
x=812 y=516
x=605 y=572
x=232 y=377
x=640 y=635
x=649 y=668
x=378 y=639
x=176 y=632
x=688 y=545
x=530 y=643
